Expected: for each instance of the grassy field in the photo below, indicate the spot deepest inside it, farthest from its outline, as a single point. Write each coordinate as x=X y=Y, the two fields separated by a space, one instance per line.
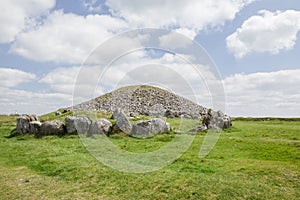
x=255 y=159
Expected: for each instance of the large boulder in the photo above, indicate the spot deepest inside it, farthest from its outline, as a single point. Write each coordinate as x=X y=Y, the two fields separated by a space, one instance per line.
x=23 y=121
x=35 y=127
x=122 y=122
x=55 y=127
x=22 y=125
x=101 y=126
x=227 y=122
x=115 y=113
x=77 y=124
x=145 y=128
x=216 y=120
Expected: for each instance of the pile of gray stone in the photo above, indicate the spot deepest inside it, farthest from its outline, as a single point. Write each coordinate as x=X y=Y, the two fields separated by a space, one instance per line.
x=145 y=100
x=215 y=120
x=82 y=124
x=73 y=124
x=29 y=124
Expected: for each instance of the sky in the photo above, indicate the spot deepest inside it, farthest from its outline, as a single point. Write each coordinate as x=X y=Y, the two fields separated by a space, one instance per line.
x=253 y=46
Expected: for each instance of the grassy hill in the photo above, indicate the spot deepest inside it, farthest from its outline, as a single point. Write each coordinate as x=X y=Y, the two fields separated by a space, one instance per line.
x=252 y=160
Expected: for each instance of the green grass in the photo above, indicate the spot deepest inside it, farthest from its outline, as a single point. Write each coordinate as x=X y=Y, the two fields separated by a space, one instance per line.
x=252 y=160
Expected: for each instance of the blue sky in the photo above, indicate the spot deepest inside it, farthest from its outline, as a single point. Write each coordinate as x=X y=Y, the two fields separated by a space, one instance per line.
x=254 y=44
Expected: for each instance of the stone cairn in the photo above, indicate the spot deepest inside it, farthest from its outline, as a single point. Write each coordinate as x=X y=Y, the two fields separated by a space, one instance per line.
x=132 y=101
x=144 y=100
x=29 y=124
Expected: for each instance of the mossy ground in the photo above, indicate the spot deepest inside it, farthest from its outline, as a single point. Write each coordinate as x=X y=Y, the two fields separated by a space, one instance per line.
x=252 y=160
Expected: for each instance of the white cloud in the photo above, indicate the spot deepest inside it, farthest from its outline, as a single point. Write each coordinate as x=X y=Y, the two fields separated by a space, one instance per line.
x=173 y=40
x=64 y=80
x=66 y=38
x=116 y=47
x=61 y=79
x=69 y=38
x=269 y=32
x=13 y=77
x=22 y=101
x=133 y=68
x=192 y=14
x=92 y=6
x=15 y=14
x=264 y=94
x=191 y=34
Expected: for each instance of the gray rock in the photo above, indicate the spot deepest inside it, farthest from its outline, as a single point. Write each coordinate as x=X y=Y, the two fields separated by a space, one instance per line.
x=122 y=122
x=199 y=128
x=101 y=126
x=55 y=127
x=34 y=127
x=216 y=120
x=77 y=124
x=169 y=114
x=33 y=117
x=227 y=122
x=146 y=128
x=23 y=123
x=115 y=113
x=132 y=115
x=57 y=113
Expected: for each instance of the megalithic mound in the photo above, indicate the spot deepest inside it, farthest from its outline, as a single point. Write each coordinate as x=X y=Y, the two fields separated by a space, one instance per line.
x=144 y=100
x=154 y=101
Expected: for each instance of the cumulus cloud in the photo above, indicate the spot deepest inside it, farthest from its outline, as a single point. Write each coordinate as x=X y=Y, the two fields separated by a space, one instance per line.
x=16 y=14
x=13 y=77
x=65 y=80
x=66 y=38
x=264 y=94
x=134 y=68
x=173 y=40
x=191 y=34
x=268 y=32
x=22 y=101
x=193 y=14
x=61 y=79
